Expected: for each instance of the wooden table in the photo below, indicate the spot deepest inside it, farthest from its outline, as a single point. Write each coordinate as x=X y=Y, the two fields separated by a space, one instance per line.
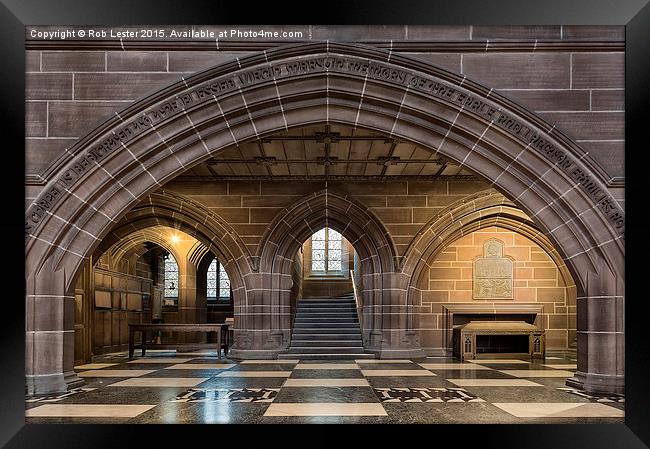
x=223 y=339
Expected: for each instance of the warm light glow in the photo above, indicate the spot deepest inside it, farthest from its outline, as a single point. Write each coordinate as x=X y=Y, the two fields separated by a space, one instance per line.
x=175 y=238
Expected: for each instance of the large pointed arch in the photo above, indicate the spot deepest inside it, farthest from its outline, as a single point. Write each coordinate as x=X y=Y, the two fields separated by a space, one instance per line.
x=107 y=172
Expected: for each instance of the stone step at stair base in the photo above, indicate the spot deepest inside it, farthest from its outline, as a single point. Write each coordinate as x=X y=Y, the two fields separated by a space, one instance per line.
x=326 y=325
x=325 y=350
x=325 y=343
x=308 y=356
x=320 y=315
x=325 y=330
x=326 y=336
x=325 y=319
x=322 y=307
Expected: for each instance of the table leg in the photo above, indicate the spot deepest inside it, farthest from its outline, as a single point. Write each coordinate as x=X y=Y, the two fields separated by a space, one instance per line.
x=219 y=344
x=131 y=349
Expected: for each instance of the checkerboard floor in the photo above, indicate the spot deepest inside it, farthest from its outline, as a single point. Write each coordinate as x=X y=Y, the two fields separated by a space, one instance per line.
x=166 y=387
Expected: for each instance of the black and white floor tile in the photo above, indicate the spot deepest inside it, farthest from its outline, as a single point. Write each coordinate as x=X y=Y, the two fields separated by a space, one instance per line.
x=197 y=387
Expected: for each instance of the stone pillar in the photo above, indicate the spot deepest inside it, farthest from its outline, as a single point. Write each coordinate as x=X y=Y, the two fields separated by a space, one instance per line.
x=263 y=314
x=601 y=338
x=397 y=337
x=49 y=348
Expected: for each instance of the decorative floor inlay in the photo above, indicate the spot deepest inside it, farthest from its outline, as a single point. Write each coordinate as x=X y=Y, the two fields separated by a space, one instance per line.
x=88 y=410
x=425 y=395
x=326 y=409
x=115 y=373
x=559 y=410
x=58 y=397
x=250 y=395
x=335 y=390
x=594 y=397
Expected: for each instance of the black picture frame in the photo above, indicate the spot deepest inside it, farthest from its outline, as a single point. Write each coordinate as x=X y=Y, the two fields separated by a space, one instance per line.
x=633 y=14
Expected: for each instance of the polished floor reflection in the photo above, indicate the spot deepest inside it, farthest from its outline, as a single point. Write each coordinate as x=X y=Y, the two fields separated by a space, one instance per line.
x=165 y=387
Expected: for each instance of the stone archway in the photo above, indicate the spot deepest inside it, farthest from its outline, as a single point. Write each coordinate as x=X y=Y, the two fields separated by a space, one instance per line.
x=129 y=156
x=377 y=255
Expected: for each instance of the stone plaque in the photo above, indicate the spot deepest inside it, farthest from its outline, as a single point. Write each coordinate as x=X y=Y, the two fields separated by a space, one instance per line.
x=492 y=273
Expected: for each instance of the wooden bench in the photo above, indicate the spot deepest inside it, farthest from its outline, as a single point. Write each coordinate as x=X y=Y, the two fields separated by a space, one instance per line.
x=223 y=336
x=465 y=338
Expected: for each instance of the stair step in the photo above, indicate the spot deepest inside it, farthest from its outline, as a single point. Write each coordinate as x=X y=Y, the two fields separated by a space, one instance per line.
x=330 y=323
x=327 y=336
x=325 y=343
x=326 y=319
x=326 y=314
x=309 y=356
x=325 y=331
x=324 y=308
x=326 y=350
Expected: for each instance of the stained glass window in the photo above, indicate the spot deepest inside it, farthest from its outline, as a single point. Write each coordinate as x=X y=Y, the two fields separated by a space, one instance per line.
x=218 y=282
x=171 y=277
x=326 y=251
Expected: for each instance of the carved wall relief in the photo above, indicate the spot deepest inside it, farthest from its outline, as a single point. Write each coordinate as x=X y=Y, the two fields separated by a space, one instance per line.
x=492 y=275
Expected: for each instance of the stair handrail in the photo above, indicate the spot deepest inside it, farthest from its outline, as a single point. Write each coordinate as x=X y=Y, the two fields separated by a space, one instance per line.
x=357 y=302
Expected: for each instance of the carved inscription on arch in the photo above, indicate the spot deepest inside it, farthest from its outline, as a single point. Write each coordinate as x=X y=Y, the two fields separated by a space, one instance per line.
x=209 y=91
x=492 y=277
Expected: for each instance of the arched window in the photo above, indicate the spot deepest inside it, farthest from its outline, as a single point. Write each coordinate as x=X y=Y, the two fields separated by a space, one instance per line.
x=326 y=251
x=218 y=282
x=171 y=281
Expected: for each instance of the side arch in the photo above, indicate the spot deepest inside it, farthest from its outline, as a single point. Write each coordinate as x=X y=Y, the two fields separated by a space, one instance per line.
x=480 y=210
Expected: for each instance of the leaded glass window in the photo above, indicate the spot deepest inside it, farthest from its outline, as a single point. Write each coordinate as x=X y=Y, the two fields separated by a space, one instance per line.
x=326 y=251
x=218 y=282
x=171 y=277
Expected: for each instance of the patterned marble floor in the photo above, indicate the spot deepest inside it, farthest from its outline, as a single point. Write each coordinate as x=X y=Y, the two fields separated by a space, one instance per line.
x=169 y=387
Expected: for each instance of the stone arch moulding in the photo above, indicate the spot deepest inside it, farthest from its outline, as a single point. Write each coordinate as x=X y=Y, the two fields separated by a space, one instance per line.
x=478 y=211
x=212 y=232
x=134 y=153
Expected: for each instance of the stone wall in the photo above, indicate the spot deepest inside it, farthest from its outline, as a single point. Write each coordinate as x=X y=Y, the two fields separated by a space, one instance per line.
x=403 y=207
x=574 y=78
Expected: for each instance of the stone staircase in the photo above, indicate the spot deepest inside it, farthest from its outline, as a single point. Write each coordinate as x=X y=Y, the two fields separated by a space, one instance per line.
x=326 y=329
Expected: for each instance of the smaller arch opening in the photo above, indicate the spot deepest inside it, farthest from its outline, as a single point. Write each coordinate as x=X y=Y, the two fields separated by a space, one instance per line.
x=171 y=281
x=325 y=259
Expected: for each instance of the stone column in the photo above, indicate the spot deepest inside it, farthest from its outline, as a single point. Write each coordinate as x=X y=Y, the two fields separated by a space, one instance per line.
x=601 y=338
x=262 y=314
x=399 y=339
x=49 y=348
